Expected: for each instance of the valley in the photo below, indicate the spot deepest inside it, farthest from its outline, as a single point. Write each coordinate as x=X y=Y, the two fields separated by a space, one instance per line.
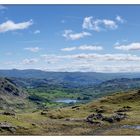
x=50 y=106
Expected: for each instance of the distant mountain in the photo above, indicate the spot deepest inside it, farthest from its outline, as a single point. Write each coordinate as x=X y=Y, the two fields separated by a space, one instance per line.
x=79 y=78
x=112 y=86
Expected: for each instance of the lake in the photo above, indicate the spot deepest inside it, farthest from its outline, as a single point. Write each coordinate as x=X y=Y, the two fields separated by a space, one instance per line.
x=66 y=101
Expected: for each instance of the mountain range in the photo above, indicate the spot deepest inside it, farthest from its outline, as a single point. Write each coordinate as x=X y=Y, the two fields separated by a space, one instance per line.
x=80 y=78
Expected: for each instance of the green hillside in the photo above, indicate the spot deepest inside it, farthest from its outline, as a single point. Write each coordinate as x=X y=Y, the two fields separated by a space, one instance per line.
x=117 y=114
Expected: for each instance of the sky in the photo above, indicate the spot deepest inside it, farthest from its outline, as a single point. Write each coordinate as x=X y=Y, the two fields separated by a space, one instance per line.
x=86 y=38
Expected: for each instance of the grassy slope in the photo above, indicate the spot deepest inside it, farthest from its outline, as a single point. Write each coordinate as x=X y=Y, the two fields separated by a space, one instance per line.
x=55 y=123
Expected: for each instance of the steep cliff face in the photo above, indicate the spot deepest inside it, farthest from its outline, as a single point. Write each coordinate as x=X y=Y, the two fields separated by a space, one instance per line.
x=11 y=96
x=10 y=89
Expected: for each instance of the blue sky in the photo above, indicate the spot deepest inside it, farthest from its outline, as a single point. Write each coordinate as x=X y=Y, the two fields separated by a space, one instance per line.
x=97 y=38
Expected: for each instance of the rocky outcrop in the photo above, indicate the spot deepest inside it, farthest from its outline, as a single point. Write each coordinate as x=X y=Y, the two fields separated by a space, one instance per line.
x=8 y=113
x=92 y=118
x=4 y=126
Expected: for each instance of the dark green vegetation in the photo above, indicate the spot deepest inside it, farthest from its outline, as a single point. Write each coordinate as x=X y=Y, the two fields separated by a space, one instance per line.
x=44 y=92
x=28 y=105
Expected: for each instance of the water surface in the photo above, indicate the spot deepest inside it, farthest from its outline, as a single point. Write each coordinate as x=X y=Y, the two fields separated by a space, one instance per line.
x=66 y=101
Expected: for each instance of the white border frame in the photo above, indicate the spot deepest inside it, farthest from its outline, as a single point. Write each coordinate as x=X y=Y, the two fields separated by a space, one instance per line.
x=64 y=2
x=69 y=1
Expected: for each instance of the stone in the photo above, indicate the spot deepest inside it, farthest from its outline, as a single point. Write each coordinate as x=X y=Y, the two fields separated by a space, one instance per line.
x=8 y=113
x=99 y=110
x=73 y=107
x=7 y=127
x=108 y=119
x=43 y=113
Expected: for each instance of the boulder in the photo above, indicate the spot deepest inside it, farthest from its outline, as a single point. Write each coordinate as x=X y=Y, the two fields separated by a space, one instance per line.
x=100 y=110
x=108 y=119
x=8 y=127
x=93 y=117
x=115 y=118
x=119 y=116
x=99 y=116
x=44 y=113
x=7 y=113
x=73 y=107
x=124 y=109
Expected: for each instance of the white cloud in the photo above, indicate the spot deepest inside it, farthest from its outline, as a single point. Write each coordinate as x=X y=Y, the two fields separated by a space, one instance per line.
x=11 y=26
x=120 y=19
x=91 y=66
x=70 y=35
x=69 y=49
x=129 y=47
x=33 y=49
x=98 y=24
x=87 y=23
x=115 y=69
x=37 y=32
x=109 y=23
x=90 y=47
x=96 y=57
x=29 y=61
x=108 y=57
x=83 y=47
x=83 y=62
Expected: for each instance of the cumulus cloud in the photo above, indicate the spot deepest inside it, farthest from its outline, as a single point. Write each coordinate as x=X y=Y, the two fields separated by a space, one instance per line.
x=70 y=35
x=97 y=57
x=93 y=62
x=33 y=49
x=88 y=23
x=83 y=47
x=69 y=49
x=90 y=47
x=11 y=26
x=92 y=66
x=116 y=69
x=120 y=19
x=108 y=57
x=29 y=61
x=129 y=47
x=37 y=32
x=98 y=24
